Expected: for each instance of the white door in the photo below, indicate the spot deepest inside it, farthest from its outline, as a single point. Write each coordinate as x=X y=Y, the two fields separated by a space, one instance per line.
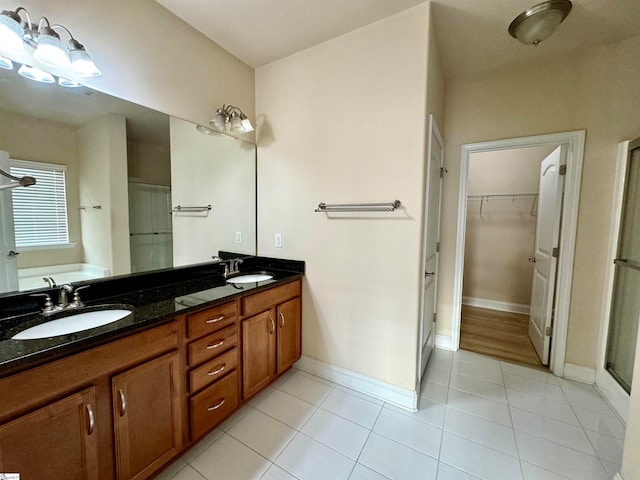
x=435 y=156
x=545 y=257
x=8 y=254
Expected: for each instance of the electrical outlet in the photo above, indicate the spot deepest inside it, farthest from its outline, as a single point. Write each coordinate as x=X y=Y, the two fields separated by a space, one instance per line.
x=278 y=240
x=238 y=237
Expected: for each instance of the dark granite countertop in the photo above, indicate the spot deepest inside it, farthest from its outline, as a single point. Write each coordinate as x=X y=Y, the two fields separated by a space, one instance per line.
x=172 y=292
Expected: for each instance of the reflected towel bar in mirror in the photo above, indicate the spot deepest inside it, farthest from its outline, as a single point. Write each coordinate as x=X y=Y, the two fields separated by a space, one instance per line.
x=180 y=208
x=359 y=207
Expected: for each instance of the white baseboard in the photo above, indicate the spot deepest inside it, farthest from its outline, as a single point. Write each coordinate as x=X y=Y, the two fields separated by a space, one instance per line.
x=580 y=374
x=386 y=392
x=443 y=341
x=496 y=305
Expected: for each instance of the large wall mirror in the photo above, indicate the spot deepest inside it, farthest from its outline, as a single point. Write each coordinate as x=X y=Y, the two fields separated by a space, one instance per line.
x=126 y=170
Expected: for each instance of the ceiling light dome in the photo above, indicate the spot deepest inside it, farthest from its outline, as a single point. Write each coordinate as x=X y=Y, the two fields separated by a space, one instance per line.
x=539 y=22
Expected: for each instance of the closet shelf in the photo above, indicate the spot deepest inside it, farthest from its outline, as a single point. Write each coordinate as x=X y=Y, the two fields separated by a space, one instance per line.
x=506 y=196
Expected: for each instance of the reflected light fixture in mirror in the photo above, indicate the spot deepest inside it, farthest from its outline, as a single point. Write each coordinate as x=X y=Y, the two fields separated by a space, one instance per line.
x=537 y=23
x=41 y=43
x=232 y=118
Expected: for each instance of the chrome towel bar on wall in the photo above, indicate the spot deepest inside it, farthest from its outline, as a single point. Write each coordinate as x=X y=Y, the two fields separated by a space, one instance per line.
x=359 y=207
x=180 y=208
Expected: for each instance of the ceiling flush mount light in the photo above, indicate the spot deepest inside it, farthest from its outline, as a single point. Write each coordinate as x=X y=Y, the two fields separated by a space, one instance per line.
x=539 y=22
x=44 y=40
x=231 y=118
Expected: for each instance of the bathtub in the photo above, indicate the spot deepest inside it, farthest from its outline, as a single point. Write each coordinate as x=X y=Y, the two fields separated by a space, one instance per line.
x=29 y=278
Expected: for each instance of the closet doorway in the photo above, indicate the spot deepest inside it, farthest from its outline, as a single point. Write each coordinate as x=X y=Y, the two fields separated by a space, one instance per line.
x=514 y=251
x=504 y=228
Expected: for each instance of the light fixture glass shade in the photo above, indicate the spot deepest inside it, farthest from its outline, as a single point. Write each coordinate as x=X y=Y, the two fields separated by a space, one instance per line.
x=65 y=82
x=219 y=122
x=539 y=22
x=206 y=130
x=50 y=50
x=236 y=124
x=6 y=63
x=246 y=125
x=36 y=74
x=81 y=61
x=11 y=33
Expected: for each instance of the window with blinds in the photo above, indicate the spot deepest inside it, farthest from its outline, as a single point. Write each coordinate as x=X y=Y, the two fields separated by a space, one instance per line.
x=40 y=211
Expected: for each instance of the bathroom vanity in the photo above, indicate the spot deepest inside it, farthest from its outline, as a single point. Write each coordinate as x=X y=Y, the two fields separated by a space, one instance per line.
x=123 y=400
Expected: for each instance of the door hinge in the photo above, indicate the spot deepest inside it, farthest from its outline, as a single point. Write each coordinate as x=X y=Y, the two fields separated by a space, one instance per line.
x=441 y=172
x=555 y=252
x=435 y=317
x=563 y=170
x=547 y=331
x=438 y=247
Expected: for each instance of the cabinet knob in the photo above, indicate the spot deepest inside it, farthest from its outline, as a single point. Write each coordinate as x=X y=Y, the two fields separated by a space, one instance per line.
x=281 y=320
x=215 y=345
x=272 y=325
x=215 y=320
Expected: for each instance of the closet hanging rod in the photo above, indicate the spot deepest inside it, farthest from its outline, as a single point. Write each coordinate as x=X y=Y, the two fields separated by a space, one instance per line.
x=501 y=196
x=358 y=207
x=180 y=208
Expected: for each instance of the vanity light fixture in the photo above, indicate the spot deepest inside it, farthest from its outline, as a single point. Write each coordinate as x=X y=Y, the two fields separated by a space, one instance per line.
x=48 y=49
x=35 y=74
x=538 y=22
x=231 y=117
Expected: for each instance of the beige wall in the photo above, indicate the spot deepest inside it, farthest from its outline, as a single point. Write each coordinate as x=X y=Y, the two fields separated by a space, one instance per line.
x=151 y=57
x=590 y=90
x=102 y=160
x=211 y=170
x=149 y=162
x=499 y=241
x=54 y=143
x=344 y=122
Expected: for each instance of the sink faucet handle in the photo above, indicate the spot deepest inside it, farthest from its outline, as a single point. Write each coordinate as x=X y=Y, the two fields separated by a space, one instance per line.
x=48 y=304
x=77 y=301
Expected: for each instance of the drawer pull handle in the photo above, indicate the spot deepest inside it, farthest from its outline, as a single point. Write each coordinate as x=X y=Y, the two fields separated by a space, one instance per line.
x=217 y=405
x=281 y=320
x=215 y=320
x=217 y=370
x=272 y=325
x=215 y=345
x=123 y=402
x=92 y=421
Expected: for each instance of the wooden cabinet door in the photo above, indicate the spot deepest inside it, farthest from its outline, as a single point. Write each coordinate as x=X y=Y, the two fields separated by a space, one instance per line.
x=56 y=441
x=258 y=351
x=146 y=404
x=289 y=341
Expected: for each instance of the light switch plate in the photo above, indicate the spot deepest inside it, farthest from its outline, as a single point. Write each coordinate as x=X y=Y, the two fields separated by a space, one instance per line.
x=278 y=241
x=238 y=237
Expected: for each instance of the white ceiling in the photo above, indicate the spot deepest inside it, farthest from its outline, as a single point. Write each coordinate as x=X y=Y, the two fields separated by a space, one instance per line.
x=472 y=34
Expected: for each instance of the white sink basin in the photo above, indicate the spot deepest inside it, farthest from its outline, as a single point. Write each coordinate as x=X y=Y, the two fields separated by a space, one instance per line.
x=250 y=278
x=72 y=324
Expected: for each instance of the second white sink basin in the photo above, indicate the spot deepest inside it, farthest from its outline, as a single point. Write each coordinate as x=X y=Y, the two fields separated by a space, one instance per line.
x=72 y=324
x=250 y=278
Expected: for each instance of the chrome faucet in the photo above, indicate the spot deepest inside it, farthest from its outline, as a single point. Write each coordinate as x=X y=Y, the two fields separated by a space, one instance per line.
x=63 y=296
x=233 y=265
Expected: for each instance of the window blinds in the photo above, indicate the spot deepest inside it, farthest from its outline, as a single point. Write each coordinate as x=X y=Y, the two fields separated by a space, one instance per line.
x=40 y=211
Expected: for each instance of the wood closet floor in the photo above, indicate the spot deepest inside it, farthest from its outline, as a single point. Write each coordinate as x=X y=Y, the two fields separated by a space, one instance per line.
x=502 y=335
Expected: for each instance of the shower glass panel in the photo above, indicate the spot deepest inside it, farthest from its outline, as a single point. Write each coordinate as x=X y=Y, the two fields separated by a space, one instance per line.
x=625 y=306
x=151 y=237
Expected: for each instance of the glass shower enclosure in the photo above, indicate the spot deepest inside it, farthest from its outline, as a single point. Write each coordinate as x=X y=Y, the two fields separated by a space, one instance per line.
x=625 y=305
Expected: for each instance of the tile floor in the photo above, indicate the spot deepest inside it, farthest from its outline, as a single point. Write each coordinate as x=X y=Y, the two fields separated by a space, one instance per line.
x=478 y=418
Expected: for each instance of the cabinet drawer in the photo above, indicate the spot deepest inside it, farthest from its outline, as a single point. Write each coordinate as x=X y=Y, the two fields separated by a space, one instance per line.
x=212 y=345
x=260 y=302
x=213 y=404
x=211 y=320
x=213 y=370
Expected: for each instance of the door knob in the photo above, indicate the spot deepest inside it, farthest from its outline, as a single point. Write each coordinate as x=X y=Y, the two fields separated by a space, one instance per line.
x=12 y=254
x=429 y=274
x=532 y=260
